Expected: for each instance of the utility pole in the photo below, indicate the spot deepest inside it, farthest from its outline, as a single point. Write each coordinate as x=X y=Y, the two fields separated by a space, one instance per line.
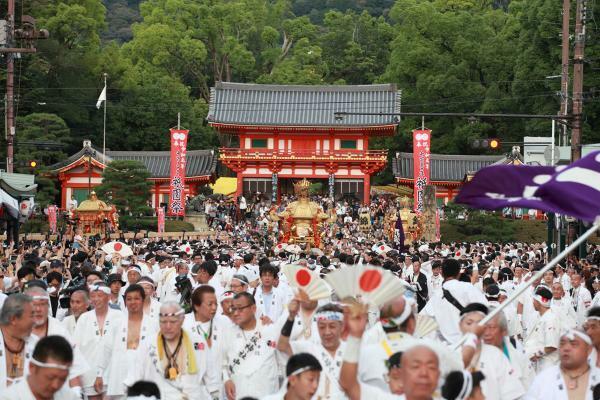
x=10 y=86
x=564 y=80
x=578 y=80
x=27 y=35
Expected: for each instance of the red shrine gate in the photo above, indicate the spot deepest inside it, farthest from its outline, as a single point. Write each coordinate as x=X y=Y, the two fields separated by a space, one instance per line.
x=289 y=132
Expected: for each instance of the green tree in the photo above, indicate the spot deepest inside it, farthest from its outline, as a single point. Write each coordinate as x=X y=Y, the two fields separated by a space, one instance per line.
x=438 y=60
x=38 y=135
x=125 y=184
x=355 y=46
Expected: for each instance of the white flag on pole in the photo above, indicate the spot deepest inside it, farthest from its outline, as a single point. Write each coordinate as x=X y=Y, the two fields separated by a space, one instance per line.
x=101 y=98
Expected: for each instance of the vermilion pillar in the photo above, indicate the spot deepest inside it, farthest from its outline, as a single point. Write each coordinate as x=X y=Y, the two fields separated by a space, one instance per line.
x=367 y=189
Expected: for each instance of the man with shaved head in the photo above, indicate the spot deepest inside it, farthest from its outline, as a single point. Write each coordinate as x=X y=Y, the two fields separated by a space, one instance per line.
x=393 y=333
x=573 y=377
x=418 y=375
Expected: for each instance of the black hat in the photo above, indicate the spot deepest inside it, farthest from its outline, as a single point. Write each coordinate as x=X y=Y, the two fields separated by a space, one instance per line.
x=474 y=307
x=115 y=278
x=56 y=264
x=302 y=362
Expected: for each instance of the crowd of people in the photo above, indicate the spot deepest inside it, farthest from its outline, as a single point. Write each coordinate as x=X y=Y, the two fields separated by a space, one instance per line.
x=217 y=319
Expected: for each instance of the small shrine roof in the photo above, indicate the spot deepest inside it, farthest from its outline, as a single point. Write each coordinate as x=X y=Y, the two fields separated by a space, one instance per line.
x=18 y=185
x=302 y=105
x=158 y=163
x=444 y=167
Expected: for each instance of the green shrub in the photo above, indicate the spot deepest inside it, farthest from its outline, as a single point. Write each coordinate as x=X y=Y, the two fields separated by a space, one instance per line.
x=151 y=224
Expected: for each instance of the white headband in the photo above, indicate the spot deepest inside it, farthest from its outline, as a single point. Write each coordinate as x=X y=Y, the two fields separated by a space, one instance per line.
x=467 y=386
x=141 y=397
x=400 y=319
x=49 y=365
x=173 y=314
x=329 y=316
x=570 y=334
x=98 y=288
x=593 y=318
x=543 y=301
x=473 y=312
x=301 y=370
x=40 y=297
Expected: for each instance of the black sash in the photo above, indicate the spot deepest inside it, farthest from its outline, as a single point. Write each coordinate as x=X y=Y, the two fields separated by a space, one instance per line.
x=448 y=296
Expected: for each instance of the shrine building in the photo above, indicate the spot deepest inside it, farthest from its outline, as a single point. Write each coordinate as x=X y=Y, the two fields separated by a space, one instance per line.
x=278 y=134
x=448 y=172
x=83 y=170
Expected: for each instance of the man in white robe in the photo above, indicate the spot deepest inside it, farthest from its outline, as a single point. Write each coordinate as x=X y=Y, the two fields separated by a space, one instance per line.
x=561 y=305
x=211 y=327
x=48 y=371
x=151 y=305
x=16 y=343
x=441 y=306
x=581 y=297
x=329 y=352
x=94 y=332
x=44 y=325
x=393 y=333
x=78 y=304
x=250 y=364
x=501 y=381
x=269 y=300
x=573 y=377
x=541 y=343
x=496 y=334
x=174 y=358
x=132 y=330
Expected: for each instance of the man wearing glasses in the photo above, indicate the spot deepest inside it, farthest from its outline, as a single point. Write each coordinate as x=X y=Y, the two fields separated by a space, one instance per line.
x=174 y=358
x=250 y=364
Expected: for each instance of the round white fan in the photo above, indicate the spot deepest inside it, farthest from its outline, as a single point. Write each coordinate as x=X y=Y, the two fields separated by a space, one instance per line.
x=186 y=248
x=117 y=247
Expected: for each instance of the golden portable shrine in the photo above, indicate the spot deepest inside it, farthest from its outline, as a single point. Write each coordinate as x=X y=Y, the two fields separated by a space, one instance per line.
x=93 y=216
x=302 y=221
x=412 y=223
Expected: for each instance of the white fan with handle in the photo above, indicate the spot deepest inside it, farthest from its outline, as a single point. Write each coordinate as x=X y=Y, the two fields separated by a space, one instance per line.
x=306 y=280
x=425 y=325
x=367 y=284
x=117 y=247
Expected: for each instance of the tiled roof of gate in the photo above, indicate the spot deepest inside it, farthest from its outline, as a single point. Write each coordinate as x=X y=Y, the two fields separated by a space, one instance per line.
x=302 y=105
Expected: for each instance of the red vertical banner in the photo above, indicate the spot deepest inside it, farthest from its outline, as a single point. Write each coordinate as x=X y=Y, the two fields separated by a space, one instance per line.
x=160 y=213
x=52 y=218
x=438 y=233
x=421 y=154
x=177 y=187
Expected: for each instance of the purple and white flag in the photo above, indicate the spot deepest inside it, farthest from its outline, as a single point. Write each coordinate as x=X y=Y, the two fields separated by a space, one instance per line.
x=570 y=190
x=399 y=236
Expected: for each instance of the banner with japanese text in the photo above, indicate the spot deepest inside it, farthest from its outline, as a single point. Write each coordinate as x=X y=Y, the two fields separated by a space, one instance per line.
x=421 y=154
x=177 y=187
x=160 y=213
x=52 y=218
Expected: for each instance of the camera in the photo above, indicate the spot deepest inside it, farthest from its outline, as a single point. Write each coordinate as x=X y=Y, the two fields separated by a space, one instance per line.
x=77 y=283
x=184 y=287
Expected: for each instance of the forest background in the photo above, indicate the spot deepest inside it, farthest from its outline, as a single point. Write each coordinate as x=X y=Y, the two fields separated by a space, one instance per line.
x=162 y=57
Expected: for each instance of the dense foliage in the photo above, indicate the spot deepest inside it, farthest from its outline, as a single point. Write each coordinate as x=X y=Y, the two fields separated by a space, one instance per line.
x=162 y=57
x=125 y=184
